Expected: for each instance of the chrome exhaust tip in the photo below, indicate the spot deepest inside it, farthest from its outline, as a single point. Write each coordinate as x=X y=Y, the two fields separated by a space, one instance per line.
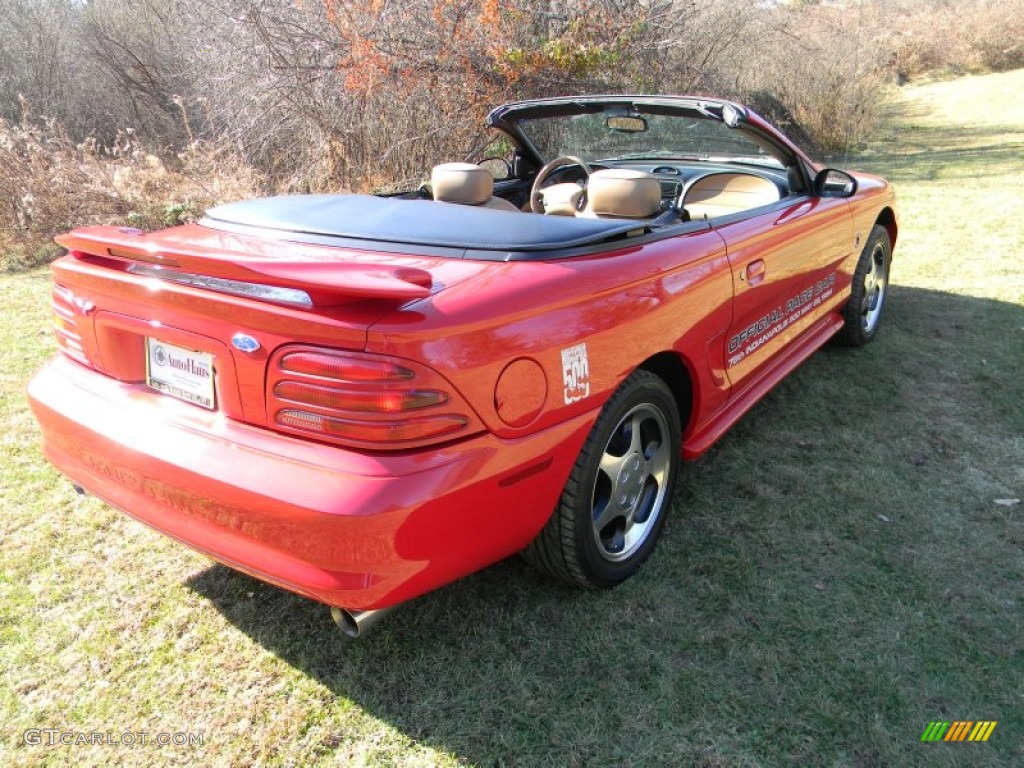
x=355 y=624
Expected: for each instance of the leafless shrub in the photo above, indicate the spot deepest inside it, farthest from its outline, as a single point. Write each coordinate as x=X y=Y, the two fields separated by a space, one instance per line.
x=146 y=110
x=822 y=70
x=934 y=37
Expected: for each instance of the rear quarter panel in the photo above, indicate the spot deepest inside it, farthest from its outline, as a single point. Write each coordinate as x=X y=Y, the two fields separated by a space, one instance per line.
x=625 y=306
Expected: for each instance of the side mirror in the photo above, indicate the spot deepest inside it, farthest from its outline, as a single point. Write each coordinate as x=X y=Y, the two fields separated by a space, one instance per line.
x=498 y=167
x=834 y=183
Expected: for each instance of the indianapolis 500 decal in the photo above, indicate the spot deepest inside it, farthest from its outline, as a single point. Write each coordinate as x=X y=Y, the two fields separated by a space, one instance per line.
x=776 y=321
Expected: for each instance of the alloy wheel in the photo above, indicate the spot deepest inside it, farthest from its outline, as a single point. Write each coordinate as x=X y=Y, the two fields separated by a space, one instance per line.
x=631 y=486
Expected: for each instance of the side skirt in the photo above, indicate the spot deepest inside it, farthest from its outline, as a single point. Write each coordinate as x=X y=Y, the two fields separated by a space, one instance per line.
x=815 y=337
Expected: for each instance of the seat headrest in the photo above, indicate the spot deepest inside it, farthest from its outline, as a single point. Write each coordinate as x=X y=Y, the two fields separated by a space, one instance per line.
x=623 y=192
x=461 y=183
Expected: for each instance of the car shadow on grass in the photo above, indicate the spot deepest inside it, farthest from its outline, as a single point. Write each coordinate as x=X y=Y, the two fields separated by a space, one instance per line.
x=797 y=591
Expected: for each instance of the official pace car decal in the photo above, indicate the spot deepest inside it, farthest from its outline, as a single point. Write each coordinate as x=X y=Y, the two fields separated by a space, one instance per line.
x=776 y=321
x=575 y=373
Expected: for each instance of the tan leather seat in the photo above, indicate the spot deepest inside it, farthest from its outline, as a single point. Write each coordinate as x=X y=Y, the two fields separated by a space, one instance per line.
x=466 y=184
x=622 y=193
x=719 y=194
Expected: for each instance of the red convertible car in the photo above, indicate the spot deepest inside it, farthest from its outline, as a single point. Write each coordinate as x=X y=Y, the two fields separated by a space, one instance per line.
x=363 y=398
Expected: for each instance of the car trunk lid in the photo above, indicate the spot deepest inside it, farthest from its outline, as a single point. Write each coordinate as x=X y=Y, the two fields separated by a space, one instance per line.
x=128 y=302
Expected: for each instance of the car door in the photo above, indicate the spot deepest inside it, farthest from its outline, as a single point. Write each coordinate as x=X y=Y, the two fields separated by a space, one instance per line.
x=786 y=270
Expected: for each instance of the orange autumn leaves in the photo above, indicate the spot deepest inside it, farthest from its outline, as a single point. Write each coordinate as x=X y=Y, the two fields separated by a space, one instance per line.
x=489 y=50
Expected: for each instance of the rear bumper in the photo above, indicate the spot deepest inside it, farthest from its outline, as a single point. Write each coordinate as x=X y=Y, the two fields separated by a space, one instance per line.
x=346 y=528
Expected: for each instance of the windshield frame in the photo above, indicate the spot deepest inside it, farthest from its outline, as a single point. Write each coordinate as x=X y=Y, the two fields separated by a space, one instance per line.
x=512 y=120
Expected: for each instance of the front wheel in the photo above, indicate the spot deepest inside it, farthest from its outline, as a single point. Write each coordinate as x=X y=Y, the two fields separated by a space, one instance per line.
x=870 y=288
x=614 y=505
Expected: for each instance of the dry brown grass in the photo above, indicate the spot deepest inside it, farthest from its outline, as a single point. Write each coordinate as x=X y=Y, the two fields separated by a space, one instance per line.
x=50 y=184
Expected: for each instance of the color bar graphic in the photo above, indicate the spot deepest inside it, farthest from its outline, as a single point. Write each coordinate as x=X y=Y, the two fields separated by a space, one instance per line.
x=982 y=730
x=959 y=730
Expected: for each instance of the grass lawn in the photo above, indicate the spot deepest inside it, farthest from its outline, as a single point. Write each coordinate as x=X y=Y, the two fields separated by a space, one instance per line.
x=837 y=572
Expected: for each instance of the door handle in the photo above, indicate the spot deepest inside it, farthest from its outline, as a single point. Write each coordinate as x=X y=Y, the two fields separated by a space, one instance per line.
x=755 y=272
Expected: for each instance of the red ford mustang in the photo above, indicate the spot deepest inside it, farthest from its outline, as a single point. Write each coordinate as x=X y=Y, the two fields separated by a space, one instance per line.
x=362 y=398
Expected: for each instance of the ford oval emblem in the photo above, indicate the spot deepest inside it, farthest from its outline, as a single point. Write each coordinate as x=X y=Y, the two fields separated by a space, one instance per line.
x=244 y=342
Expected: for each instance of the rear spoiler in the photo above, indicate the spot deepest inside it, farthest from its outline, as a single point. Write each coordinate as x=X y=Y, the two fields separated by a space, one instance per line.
x=326 y=282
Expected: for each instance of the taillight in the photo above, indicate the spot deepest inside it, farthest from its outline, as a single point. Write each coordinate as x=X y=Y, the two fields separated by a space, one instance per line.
x=402 y=431
x=363 y=400
x=383 y=401
x=65 y=324
x=344 y=367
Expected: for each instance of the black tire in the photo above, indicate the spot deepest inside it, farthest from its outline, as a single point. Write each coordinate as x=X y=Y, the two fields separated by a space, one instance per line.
x=636 y=438
x=863 y=312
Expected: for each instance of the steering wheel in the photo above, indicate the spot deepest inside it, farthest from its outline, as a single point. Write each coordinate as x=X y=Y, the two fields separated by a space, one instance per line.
x=536 y=205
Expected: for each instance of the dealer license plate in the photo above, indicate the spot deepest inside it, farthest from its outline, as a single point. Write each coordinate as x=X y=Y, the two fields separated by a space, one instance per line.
x=179 y=372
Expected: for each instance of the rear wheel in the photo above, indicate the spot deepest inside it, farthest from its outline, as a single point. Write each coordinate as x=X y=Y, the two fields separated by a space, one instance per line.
x=614 y=505
x=870 y=288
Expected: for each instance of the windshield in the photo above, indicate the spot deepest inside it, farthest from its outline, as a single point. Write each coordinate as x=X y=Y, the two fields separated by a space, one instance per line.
x=587 y=136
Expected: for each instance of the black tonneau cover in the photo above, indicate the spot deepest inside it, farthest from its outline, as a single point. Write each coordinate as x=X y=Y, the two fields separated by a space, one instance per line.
x=361 y=220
